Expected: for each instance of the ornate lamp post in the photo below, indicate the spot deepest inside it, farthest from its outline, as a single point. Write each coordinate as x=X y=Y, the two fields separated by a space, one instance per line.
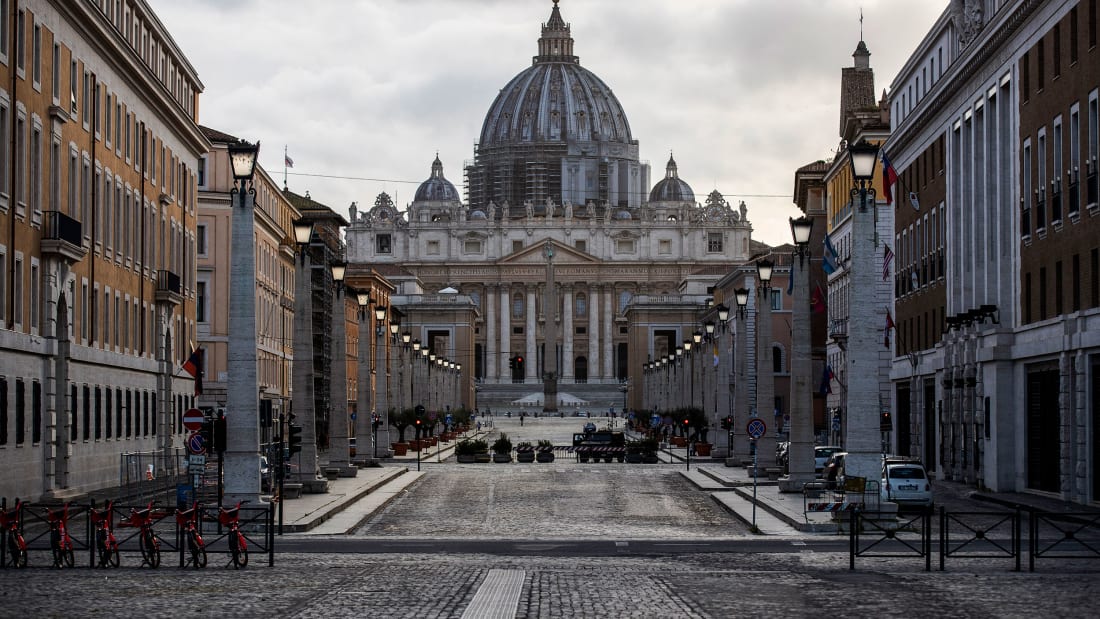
x=364 y=416
x=765 y=376
x=303 y=400
x=242 y=453
x=339 y=448
x=861 y=428
x=382 y=401
x=801 y=450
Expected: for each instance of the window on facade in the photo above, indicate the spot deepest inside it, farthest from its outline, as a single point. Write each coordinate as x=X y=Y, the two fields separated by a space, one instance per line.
x=1025 y=199
x=21 y=41
x=200 y=239
x=472 y=247
x=17 y=292
x=517 y=305
x=624 y=300
x=1056 y=49
x=714 y=242
x=433 y=248
x=1025 y=77
x=624 y=246
x=36 y=55
x=581 y=304
x=516 y=246
x=1056 y=176
x=580 y=244
x=777 y=360
x=382 y=244
x=777 y=299
x=3 y=410
x=201 y=302
x=664 y=247
x=1073 y=35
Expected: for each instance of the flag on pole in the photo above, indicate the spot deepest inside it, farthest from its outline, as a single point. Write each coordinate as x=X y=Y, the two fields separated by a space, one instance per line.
x=193 y=366
x=914 y=201
x=817 y=300
x=826 y=381
x=716 y=355
x=288 y=161
x=887 y=258
x=889 y=177
x=830 y=258
x=886 y=331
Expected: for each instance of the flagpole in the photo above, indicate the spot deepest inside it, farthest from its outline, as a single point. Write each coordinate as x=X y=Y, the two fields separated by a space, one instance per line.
x=284 y=166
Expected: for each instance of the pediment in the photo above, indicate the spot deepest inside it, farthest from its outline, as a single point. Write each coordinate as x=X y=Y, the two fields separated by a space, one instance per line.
x=536 y=254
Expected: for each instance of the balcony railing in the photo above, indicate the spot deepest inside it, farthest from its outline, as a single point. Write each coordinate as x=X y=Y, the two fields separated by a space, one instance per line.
x=61 y=234
x=168 y=288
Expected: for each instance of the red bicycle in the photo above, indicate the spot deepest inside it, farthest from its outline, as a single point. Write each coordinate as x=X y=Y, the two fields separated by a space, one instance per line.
x=238 y=547
x=60 y=542
x=105 y=539
x=147 y=537
x=17 y=546
x=187 y=519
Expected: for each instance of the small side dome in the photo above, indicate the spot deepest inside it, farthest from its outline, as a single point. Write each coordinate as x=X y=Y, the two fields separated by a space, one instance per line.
x=671 y=188
x=477 y=214
x=437 y=188
x=623 y=215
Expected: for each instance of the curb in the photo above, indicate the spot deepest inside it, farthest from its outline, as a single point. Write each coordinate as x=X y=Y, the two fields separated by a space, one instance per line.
x=324 y=515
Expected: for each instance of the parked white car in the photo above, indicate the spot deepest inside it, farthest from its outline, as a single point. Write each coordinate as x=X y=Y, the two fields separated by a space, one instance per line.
x=906 y=483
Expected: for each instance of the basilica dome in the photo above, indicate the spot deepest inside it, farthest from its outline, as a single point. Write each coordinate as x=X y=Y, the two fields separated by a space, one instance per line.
x=555 y=99
x=552 y=131
x=436 y=188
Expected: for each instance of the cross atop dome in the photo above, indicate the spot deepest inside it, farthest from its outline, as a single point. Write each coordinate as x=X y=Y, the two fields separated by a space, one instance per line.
x=556 y=43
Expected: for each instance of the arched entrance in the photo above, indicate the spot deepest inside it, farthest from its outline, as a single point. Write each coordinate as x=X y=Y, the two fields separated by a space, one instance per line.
x=580 y=369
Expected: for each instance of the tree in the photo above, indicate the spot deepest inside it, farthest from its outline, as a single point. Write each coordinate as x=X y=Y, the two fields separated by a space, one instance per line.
x=402 y=420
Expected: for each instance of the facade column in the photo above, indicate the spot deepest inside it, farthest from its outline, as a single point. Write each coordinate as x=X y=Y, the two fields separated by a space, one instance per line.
x=593 y=332
x=801 y=450
x=531 y=367
x=765 y=378
x=490 y=336
x=505 y=332
x=383 y=404
x=608 y=341
x=339 y=455
x=302 y=400
x=567 y=333
x=364 y=414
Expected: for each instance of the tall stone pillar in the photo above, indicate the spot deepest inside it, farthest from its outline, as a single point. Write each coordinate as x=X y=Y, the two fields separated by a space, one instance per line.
x=531 y=366
x=593 y=332
x=339 y=454
x=302 y=401
x=490 y=334
x=567 y=334
x=801 y=452
x=505 y=332
x=765 y=377
x=608 y=340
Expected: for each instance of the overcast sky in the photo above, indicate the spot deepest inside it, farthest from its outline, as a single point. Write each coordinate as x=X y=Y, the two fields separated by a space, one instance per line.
x=743 y=92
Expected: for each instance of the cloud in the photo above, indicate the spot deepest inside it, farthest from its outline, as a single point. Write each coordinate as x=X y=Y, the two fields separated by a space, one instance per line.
x=743 y=92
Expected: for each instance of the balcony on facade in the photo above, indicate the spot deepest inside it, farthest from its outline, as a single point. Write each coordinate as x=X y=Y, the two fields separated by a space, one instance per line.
x=168 y=288
x=61 y=236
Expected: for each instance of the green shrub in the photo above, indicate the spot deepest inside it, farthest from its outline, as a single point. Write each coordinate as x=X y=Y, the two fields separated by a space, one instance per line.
x=503 y=444
x=469 y=448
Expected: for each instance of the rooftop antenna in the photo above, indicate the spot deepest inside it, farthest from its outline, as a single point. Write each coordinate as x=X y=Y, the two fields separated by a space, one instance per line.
x=860 y=23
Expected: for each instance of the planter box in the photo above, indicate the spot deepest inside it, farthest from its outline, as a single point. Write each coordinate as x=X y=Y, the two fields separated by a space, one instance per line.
x=400 y=449
x=650 y=459
x=544 y=456
x=633 y=458
x=466 y=458
x=702 y=449
x=525 y=456
x=502 y=458
x=483 y=457
x=414 y=445
x=678 y=441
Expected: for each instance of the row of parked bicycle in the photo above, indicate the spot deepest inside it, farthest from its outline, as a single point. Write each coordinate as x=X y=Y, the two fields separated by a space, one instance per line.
x=108 y=545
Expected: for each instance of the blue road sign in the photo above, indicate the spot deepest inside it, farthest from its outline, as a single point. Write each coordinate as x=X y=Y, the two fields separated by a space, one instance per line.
x=756 y=428
x=195 y=444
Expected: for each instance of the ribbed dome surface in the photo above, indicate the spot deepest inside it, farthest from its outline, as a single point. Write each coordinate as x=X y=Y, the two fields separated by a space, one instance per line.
x=437 y=187
x=671 y=188
x=555 y=99
x=555 y=102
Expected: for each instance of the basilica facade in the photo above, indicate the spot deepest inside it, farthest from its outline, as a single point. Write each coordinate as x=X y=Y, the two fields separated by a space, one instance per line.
x=558 y=214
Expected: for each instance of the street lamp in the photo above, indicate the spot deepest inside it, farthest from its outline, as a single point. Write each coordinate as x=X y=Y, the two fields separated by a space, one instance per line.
x=242 y=452
x=801 y=430
x=765 y=376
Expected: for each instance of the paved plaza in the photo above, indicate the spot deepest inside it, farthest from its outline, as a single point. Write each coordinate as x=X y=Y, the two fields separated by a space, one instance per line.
x=561 y=539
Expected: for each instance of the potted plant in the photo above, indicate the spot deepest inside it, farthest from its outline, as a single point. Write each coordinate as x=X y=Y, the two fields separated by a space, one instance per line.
x=545 y=451
x=468 y=451
x=525 y=452
x=648 y=448
x=401 y=420
x=502 y=449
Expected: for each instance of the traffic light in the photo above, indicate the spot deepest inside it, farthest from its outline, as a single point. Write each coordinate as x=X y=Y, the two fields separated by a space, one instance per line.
x=884 y=423
x=519 y=361
x=727 y=422
x=207 y=433
x=219 y=432
x=294 y=438
x=512 y=363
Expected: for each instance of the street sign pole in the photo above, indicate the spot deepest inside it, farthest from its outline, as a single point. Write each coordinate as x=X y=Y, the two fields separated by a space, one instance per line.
x=755 y=429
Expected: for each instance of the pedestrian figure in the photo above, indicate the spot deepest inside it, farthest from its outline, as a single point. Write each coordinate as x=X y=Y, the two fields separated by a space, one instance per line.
x=479 y=426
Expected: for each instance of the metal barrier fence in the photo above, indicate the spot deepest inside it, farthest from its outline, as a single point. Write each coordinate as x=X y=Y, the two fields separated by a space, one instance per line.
x=977 y=534
x=888 y=536
x=984 y=534
x=256 y=523
x=1063 y=535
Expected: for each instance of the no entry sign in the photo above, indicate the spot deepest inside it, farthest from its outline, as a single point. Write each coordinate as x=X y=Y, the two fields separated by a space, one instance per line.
x=193 y=419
